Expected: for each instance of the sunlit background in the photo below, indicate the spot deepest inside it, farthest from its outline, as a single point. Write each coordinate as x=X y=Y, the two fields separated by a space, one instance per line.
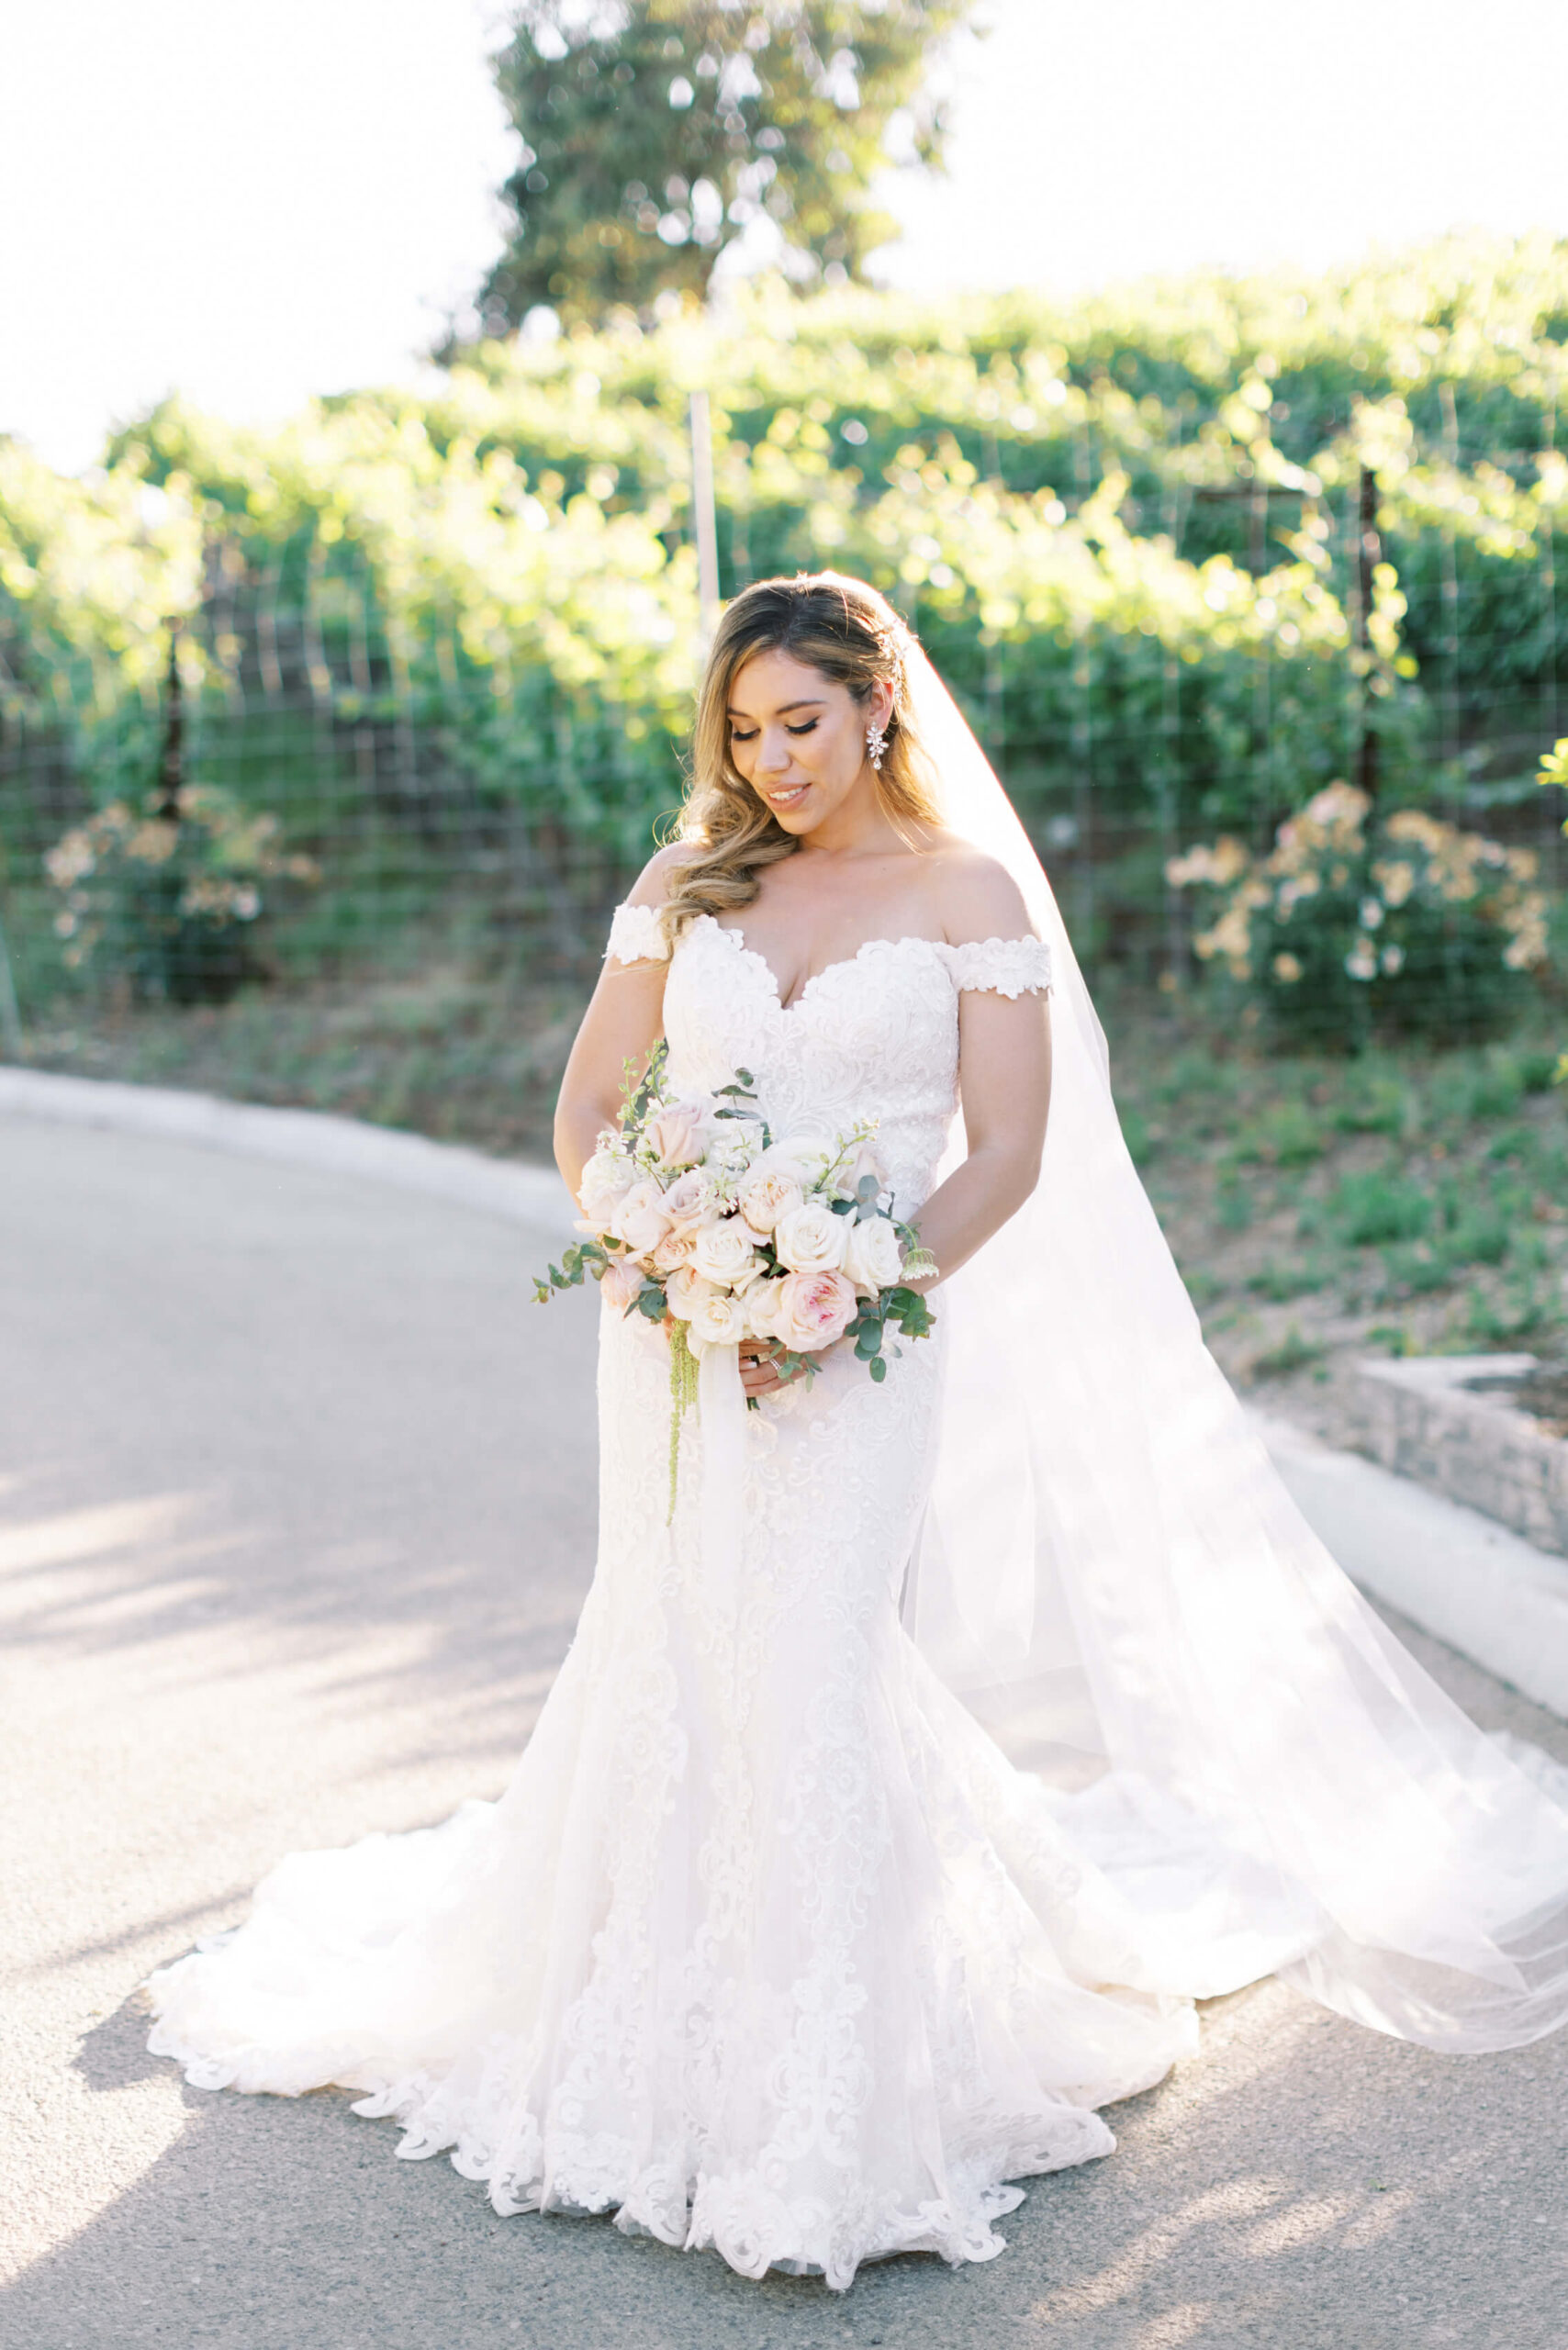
x=251 y=205
x=1207 y=417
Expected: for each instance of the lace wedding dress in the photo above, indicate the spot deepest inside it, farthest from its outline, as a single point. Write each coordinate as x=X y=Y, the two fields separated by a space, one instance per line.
x=769 y=1946
x=766 y=1947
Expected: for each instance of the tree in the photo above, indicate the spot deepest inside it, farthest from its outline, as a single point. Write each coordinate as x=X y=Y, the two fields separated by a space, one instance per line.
x=655 y=132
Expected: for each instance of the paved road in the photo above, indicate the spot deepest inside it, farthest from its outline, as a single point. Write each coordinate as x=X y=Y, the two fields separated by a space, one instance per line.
x=295 y=1516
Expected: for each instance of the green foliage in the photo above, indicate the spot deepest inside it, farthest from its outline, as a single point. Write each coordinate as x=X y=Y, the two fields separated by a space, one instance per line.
x=1141 y=1138
x=451 y=639
x=1280 y=1283
x=905 y=1308
x=92 y=572
x=1503 y=1322
x=1482 y=1239
x=1496 y=1089
x=1285 y=1134
x=572 y=1270
x=1536 y=1069
x=1292 y=1352
x=1374 y=1101
x=1415 y=1269
x=655 y=134
x=1375 y=1206
x=1233 y=1206
x=1407 y=926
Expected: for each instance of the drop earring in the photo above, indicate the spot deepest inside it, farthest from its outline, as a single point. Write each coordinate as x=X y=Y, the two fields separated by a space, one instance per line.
x=876 y=744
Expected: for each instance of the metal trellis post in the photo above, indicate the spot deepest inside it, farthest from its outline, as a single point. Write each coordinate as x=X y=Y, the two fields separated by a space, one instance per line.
x=704 y=519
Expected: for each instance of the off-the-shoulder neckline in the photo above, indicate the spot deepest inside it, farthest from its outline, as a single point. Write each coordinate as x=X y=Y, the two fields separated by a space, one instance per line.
x=848 y=962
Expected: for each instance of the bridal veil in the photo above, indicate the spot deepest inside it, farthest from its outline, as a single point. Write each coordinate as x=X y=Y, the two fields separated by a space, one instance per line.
x=1113 y=1577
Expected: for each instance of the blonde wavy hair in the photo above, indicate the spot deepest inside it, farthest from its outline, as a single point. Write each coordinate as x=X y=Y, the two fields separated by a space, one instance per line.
x=853 y=636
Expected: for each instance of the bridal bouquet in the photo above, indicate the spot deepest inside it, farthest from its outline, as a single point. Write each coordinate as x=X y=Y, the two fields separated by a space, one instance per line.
x=699 y=1219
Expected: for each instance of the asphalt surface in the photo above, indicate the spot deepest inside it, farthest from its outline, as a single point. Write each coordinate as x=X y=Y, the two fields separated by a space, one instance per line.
x=295 y=1513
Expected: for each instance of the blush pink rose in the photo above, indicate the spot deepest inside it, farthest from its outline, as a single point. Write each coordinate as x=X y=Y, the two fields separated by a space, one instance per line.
x=690 y=1198
x=622 y=1279
x=672 y=1251
x=867 y=1161
x=767 y=1193
x=675 y=1133
x=811 y=1310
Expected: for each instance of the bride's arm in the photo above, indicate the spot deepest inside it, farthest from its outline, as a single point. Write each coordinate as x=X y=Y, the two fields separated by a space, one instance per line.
x=623 y=1023
x=1004 y=1083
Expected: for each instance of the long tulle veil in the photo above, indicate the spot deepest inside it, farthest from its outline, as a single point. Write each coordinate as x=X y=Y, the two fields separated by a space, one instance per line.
x=1116 y=1581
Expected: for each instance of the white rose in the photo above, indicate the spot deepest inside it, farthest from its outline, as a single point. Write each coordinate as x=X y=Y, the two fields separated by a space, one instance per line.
x=717 y=1319
x=810 y=1240
x=802 y=1154
x=682 y=1290
x=767 y=1193
x=761 y=1309
x=640 y=1222
x=722 y=1254
x=606 y=1179
x=873 y=1256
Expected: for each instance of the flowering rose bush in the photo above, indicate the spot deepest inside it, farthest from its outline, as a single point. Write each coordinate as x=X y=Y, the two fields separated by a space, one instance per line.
x=697 y=1219
x=171 y=905
x=1350 y=927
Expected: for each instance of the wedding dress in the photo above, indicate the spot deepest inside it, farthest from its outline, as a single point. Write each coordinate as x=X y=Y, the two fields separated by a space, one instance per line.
x=766 y=1946
x=769 y=1946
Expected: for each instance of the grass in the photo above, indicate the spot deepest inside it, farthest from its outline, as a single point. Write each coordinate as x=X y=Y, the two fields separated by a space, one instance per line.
x=1292 y=1352
x=440 y=1052
x=1320 y=1210
x=1429 y=1189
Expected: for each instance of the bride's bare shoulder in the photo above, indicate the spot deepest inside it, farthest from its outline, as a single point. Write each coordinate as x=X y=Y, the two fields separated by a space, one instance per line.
x=975 y=895
x=653 y=885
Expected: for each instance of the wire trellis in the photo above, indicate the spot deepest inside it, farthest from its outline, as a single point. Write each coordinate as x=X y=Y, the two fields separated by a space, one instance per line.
x=431 y=807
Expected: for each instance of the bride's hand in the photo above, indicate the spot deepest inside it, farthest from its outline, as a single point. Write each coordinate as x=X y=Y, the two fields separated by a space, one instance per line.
x=760 y=1375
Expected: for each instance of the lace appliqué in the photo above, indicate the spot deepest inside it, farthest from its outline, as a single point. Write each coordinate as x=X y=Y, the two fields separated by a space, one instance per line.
x=767 y=1947
x=636 y=936
x=1010 y=967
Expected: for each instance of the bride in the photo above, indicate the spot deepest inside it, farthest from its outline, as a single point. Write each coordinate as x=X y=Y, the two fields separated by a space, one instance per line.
x=840 y=1888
